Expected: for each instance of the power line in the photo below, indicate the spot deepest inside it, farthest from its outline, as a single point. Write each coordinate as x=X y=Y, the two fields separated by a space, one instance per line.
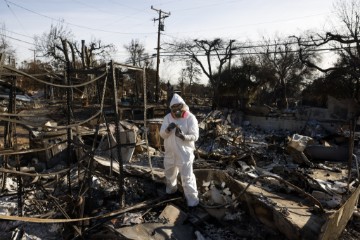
x=249 y=23
x=239 y=47
x=16 y=39
x=18 y=33
x=75 y=25
x=9 y=2
x=17 y=19
x=91 y=6
x=142 y=59
x=262 y=45
x=181 y=54
x=208 y=5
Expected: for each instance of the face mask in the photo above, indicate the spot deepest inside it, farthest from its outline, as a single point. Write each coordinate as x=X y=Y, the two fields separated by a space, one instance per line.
x=177 y=113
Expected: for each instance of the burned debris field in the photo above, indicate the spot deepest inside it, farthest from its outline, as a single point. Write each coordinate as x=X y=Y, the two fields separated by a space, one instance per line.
x=79 y=168
x=129 y=121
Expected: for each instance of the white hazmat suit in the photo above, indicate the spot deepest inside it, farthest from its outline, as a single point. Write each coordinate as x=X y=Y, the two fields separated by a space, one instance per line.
x=179 y=153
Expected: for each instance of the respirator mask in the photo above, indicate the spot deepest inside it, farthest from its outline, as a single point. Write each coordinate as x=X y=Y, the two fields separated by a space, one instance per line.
x=176 y=110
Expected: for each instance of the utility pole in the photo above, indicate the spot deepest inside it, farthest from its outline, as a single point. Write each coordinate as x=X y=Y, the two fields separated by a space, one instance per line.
x=162 y=16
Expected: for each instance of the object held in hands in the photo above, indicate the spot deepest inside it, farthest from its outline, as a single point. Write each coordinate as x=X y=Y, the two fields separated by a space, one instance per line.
x=170 y=127
x=179 y=134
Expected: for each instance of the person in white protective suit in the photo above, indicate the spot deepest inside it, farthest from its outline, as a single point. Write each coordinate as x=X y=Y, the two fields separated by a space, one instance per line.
x=180 y=130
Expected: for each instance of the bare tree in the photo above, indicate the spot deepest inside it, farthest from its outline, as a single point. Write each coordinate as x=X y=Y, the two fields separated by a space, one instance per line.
x=54 y=44
x=280 y=57
x=182 y=80
x=50 y=44
x=188 y=75
x=5 y=47
x=94 y=53
x=193 y=73
x=343 y=40
x=209 y=55
x=138 y=56
x=59 y=46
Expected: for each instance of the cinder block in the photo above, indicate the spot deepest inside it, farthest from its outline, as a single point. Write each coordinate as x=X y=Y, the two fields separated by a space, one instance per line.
x=173 y=214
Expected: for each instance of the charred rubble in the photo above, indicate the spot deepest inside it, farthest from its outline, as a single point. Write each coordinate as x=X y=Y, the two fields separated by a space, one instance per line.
x=71 y=170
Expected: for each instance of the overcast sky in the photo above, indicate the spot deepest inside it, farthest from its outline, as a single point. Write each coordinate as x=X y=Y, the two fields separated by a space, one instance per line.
x=119 y=21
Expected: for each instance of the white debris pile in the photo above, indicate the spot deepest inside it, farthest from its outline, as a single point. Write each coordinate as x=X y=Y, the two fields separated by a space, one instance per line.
x=216 y=194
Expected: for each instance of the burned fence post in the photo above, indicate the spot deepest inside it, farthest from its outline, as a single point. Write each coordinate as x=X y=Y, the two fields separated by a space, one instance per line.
x=117 y=134
x=10 y=141
x=12 y=109
x=352 y=128
x=145 y=122
x=68 y=102
x=7 y=141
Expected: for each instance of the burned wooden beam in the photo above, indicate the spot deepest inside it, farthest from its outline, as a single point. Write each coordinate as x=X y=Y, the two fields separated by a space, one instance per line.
x=107 y=216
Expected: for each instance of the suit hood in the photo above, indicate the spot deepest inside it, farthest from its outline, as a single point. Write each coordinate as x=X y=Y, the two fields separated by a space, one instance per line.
x=176 y=99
